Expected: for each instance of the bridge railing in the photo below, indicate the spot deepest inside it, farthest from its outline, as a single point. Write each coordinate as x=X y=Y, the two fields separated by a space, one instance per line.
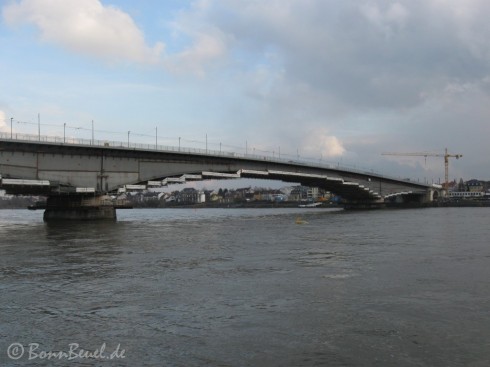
x=314 y=163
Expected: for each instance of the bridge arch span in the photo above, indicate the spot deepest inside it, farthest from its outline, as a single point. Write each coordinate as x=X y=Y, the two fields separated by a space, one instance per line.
x=55 y=169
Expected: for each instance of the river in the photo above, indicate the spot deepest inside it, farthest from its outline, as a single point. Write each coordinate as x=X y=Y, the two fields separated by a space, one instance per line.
x=247 y=287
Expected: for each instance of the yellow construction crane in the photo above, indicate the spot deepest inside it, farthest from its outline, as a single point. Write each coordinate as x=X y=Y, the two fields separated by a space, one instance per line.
x=446 y=156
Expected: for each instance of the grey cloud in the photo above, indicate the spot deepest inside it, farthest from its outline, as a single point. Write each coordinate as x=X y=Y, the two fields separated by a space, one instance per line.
x=415 y=71
x=335 y=48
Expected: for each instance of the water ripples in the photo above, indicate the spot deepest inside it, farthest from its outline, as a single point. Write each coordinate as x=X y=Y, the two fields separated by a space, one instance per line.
x=251 y=287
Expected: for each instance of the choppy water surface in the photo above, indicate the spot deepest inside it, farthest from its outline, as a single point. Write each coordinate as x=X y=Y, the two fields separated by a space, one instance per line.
x=247 y=287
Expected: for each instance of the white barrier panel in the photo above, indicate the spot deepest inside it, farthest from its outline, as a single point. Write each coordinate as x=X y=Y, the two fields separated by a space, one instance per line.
x=253 y=172
x=192 y=177
x=221 y=175
x=85 y=189
x=135 y=187
x=11 y=181
x=298 y=174
x=174 y=180
x=154 y=183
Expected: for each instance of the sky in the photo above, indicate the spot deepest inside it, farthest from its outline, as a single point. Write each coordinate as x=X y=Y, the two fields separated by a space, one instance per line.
x=338 y=81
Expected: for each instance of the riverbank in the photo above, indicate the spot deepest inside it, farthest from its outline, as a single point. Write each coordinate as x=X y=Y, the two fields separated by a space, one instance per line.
x=442 y=204
x=24 y=203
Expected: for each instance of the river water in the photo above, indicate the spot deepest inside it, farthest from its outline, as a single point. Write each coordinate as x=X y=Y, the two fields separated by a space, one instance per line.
x=247 y=287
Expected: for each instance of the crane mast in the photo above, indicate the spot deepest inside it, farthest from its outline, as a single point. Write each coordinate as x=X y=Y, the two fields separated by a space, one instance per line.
x=446 y=156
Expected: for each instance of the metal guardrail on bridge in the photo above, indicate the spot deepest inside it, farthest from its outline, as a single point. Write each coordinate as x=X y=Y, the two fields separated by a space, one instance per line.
x=309 y=162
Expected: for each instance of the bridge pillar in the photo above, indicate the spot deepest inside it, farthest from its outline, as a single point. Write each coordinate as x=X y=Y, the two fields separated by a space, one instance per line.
x=435 y=194
x=408 y=200
x=73 y=207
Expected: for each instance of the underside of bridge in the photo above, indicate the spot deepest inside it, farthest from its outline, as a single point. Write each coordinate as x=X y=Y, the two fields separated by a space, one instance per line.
x=77 y=178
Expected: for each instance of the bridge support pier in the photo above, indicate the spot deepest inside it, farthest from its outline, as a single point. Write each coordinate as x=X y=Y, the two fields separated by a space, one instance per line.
x=73 y=207
x=435 y=194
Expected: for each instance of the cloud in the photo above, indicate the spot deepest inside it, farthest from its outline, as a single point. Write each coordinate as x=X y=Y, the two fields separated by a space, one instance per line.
x=388 y=20
x=319 y=143
x=364 y=54
x=205 y=50
x=106 y=32
x=408 y=75
x=352 y=78
x=86 y=27
x=331 y=146
x=470 y=23
x=202 y=45
x=3 y=125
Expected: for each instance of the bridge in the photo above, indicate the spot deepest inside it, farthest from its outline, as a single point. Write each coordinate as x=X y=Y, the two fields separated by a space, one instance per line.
x=77 y=175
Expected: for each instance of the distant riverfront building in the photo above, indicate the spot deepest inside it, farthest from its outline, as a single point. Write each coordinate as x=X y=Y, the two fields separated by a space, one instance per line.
x=474 y=186
x=190 y=195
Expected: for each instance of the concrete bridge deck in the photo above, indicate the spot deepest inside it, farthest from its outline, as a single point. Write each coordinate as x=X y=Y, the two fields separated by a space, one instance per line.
x=52 y=168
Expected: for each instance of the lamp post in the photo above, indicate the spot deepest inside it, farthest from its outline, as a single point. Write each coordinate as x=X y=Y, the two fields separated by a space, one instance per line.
x=92 y=132
x=64 y=132
x=179 y=143
x=11 y=129
x=156 y=137
x=129 y=132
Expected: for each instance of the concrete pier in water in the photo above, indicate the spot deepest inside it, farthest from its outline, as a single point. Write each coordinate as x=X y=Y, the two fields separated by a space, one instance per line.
x=79 y=208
